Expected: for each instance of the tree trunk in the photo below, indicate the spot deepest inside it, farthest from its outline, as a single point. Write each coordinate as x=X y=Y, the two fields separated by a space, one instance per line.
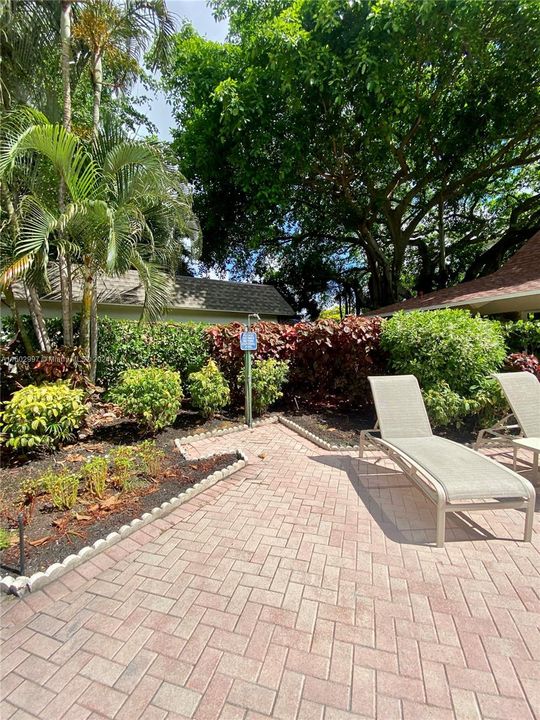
x=65 y=38
x=86 y=308
x=63 y=262
x=94 y=333
x=36 y=314
x=11 y=300
x=97 y=79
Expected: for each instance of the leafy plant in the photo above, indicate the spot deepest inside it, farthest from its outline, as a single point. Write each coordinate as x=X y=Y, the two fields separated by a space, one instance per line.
x=62 y=486
x=327 y=359
x=94 y=471
x=524 y=362
x=151 y=457
x=42 y=416
x=152 y=395
x=180 y=346
x=445 y=407
x=124 y=467
x=209 y=390
x=523 y=336
x=29 y=489
x=268 y=378
x=5 y=539
x=447 y=346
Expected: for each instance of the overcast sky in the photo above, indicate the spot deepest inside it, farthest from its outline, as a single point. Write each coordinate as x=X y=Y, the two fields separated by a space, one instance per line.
x=200 y=15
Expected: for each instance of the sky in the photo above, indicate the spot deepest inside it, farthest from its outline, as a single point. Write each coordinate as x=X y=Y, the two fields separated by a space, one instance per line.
x=200 y=15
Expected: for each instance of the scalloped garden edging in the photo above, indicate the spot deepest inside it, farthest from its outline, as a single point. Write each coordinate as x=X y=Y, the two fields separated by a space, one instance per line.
x=298 y=429
x=21 y=585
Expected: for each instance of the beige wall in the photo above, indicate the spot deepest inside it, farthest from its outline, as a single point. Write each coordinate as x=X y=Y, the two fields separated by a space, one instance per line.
x=127 y=312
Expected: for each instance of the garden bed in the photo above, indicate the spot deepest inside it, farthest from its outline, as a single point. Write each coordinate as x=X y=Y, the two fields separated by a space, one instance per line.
x=52 y=533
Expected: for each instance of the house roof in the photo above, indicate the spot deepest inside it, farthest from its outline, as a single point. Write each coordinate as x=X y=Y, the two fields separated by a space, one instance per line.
x=188 y=293
x=513 y=287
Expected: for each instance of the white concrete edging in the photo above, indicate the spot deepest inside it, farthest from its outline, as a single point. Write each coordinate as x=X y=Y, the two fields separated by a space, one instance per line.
x=23 y=584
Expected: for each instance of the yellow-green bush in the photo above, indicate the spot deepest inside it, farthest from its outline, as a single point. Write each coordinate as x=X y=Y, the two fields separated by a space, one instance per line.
x=209 y=390
x=42 y=416
x=151 y=395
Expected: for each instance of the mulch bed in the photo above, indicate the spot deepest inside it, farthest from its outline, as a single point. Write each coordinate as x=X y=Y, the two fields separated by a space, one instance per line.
x=53 y=534
x=343 y=428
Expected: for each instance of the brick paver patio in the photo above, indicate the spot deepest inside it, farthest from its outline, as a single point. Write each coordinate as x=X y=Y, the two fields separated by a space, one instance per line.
x=300 y=588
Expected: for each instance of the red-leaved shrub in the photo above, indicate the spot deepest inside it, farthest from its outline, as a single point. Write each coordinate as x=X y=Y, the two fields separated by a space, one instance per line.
x=328 y=361
x=524 y=362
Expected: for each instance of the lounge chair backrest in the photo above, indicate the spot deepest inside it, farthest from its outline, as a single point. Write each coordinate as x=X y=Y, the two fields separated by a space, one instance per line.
x=400 y=407
x=522 y=390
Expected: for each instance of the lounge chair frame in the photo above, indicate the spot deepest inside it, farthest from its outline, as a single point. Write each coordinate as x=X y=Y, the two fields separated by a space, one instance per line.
x=435 y=492
x=500 y=433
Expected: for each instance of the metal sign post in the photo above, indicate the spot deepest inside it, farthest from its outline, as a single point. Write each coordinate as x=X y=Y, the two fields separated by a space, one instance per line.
x=248 y=343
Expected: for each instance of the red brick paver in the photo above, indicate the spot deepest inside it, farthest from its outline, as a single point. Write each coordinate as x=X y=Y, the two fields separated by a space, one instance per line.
x=305 y=586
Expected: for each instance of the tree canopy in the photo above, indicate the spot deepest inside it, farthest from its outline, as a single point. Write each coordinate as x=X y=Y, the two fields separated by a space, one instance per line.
x=401 y=134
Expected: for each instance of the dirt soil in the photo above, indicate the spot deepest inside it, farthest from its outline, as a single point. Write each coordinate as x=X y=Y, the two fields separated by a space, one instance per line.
x=52 y=534
x=343 y=428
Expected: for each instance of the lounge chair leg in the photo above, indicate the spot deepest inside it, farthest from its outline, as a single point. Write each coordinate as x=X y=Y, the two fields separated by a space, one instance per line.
x=529 y=517
x=441 y=525
x=514 y=462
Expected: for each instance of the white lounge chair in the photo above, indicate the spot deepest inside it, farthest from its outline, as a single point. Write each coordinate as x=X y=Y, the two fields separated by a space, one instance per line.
x=453 y=476
x=522 y=391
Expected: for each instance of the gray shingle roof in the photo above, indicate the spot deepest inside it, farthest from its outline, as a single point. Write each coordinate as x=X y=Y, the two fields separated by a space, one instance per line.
x=189 y=293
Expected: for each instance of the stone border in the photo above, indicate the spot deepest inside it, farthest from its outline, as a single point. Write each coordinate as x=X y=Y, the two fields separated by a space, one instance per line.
x=23 y=584
x=298 y=429
x=315 y=439
x=186 y=439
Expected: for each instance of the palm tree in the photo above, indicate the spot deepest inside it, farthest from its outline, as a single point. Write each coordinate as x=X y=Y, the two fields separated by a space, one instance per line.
x=120 y=33
x=128 y=208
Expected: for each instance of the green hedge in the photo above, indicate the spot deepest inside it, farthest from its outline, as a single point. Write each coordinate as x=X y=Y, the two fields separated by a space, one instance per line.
x=523 y=336
x=125 y=344
x=453 y=355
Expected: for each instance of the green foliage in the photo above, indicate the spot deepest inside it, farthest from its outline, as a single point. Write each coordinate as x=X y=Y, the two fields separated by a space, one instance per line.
x=5 y=539
x=523 y=336
x=62 y=486
x=452 y=354
x=443 y=346
x=209 y=390
x=331 y=314
x=347 y=122
x=151 y=457
x=29 y=489
x=124 y=467
x=152 y=395
x=125 y=344
x=94 y=471
x=445 y=407
x=42 y=416
x=268 y=378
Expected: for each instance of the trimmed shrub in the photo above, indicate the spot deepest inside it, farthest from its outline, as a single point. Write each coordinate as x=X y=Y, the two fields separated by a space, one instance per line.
x=41 y=417
x=209 y=390
x=444 y=346
x=267 y=380
x=523 y=336
x=453 y=355
x=151 y=395
x=327 y=360
x=125 y=344
x=523 y=362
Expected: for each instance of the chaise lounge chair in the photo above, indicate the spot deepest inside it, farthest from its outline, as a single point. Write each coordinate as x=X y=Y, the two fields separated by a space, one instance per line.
x=522 y=391
x=453 y=476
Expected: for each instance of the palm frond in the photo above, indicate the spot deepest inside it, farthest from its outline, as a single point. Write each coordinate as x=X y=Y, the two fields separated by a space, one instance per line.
x=157 y=287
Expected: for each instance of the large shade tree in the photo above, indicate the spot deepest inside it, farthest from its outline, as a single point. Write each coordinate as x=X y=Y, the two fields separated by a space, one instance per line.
x=404 y=130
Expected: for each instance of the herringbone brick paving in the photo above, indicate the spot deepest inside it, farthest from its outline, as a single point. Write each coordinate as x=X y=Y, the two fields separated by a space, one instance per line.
x=301 y=588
